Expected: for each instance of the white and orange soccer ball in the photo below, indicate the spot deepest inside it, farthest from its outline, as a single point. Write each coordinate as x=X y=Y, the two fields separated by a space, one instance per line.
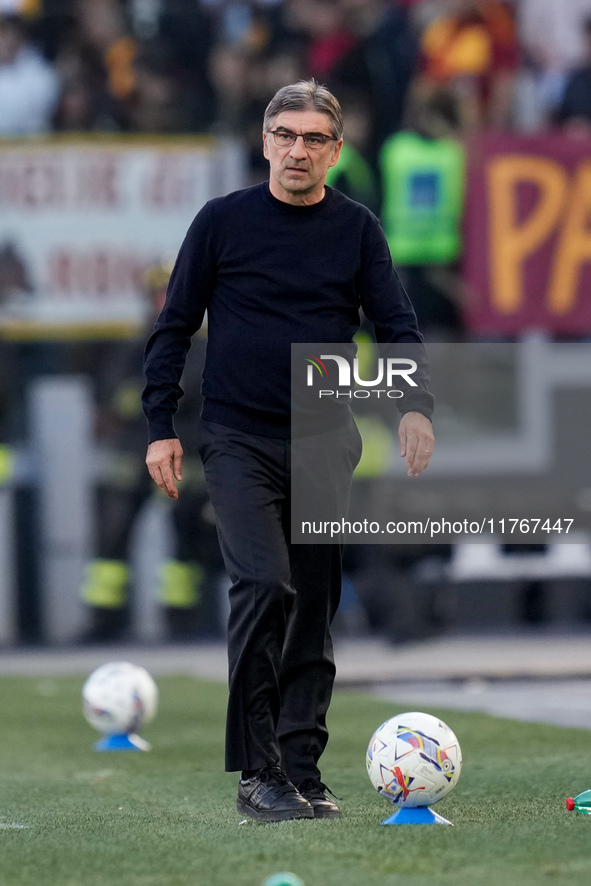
x=118 y=697
x=414 y=759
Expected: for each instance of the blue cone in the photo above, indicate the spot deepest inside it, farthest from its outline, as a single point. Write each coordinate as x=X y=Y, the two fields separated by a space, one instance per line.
x=284 y=878
x=123 y=742
x=416 y=815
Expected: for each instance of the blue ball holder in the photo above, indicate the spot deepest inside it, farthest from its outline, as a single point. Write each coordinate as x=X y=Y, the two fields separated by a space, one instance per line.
x=124 y=742
x=416 y=815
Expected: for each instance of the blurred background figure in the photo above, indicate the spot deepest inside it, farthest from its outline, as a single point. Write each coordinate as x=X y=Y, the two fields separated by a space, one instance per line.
x=29 y=86
x=158 y=100
x=471 y=48
x=78 y=49
x=324 y=31
x=353 y=173
x=281 y=62
x=423 y=173
x=188 y=581
x=574 y=112
x=553 y=43
x=229 y=69
x=380 y=64
x=14 y=276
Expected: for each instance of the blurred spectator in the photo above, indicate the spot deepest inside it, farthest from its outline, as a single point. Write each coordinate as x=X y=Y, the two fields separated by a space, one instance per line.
x=423 y=172
x=381 y=63
x=229 y=73
x=185 y=33
x=103 y=26
x=54 y=25
x=279 y=66
x=82 y=109
x=84 y=55
x=471 y=47
x=185 y=28
x=158 y=102
x=112 y=81
x=29 y=87
x=353 y=174
x=553 y=40
x=575 y=107
x=85 y=102
x=235 y=21
x=14 y=275
x=26 y=8
x=267 y=74
x=323 y=25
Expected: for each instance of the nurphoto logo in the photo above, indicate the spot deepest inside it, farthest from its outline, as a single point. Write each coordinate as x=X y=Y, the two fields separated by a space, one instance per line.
x=389 y=370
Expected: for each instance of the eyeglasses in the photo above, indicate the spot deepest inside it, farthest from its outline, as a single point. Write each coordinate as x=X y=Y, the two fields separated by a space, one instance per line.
x=314 y=141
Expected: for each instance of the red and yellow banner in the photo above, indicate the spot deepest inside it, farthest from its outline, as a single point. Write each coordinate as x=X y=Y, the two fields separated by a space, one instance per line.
x=527 y=258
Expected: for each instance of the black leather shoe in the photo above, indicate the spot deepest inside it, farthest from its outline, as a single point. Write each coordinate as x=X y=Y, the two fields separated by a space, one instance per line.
x=314 y=791
x=270 y=796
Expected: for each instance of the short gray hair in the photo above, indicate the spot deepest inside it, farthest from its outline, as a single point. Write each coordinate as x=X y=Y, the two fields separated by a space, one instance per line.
x=305 y=95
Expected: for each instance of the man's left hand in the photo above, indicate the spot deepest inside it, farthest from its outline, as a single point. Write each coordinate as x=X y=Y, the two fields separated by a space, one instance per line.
x=416 y=442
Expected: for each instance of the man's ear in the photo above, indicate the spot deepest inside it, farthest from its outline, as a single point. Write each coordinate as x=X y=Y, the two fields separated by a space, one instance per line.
x=265 y=146
x=336 y=153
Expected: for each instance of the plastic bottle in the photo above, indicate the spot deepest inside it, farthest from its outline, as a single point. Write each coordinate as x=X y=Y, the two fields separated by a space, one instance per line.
x=581 y=803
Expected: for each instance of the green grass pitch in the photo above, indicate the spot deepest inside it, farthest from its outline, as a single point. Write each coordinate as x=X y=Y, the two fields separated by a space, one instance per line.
x=72 y=817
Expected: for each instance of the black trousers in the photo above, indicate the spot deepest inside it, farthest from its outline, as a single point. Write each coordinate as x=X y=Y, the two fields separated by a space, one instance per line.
x=283 y=597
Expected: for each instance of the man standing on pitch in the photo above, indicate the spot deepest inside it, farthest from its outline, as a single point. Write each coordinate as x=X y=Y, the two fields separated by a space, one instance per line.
x=286 y=261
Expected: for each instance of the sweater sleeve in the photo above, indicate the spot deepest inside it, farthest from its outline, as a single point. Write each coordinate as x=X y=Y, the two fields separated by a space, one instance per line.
x=386 y=304
x=189 y=292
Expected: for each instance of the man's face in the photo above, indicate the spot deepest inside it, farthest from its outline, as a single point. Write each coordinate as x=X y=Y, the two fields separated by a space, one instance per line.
x=297 y=172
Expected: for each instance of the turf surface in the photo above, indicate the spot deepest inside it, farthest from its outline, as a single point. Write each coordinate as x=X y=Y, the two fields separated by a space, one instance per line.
x=72 y=817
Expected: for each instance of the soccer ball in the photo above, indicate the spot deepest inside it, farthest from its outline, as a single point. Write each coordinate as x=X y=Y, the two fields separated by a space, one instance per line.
x=118 y=697
x=414 y=759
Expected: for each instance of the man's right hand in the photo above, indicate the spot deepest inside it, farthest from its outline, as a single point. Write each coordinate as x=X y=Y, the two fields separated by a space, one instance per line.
x=164 y=461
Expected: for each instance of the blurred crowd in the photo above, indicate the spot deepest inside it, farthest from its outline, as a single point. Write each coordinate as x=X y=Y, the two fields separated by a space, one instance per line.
x=210 y=66
x=413 y=77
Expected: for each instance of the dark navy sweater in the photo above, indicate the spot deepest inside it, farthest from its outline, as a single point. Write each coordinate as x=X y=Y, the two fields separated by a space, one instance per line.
x=270 y=274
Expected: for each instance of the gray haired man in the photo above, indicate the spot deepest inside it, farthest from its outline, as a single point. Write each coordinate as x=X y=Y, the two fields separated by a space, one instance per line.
x=286 y=261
